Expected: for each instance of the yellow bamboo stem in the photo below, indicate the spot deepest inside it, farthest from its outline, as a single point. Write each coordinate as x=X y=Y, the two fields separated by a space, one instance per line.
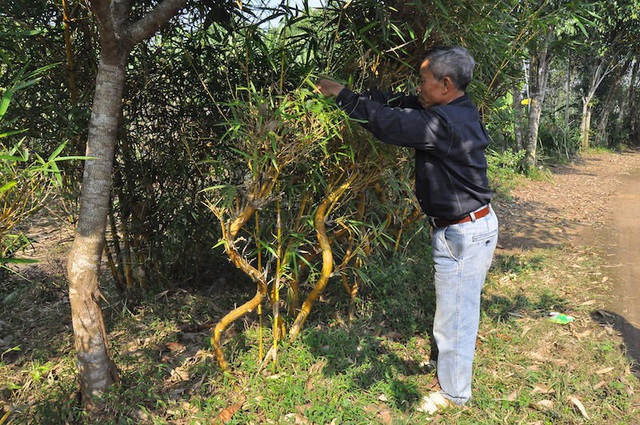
x=237 y=313
x=229 y=233
x=327 y=258
x=260 y=333
x=277 y=325
x=260 y=323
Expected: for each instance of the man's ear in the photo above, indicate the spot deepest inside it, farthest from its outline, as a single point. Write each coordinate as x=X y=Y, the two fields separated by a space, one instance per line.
x=447 y=85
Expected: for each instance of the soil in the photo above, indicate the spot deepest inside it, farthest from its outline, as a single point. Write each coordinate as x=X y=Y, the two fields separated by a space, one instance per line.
x=593 y=202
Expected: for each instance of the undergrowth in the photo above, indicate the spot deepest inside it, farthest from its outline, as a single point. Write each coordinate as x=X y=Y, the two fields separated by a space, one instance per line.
x=371 y=370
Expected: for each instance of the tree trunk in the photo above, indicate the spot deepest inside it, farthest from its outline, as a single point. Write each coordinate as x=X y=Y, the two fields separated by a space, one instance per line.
x=96 y=370
x=597 y=76
x=518 y=111
x=624 y=122
x=118 y=35
x=539 y=75
x=585 y=125
x=606 y=107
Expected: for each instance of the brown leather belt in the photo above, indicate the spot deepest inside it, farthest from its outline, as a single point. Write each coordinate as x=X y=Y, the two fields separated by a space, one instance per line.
x=441 y=222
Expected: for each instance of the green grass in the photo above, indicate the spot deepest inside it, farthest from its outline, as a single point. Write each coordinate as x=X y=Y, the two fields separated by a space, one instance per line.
x=367 y=371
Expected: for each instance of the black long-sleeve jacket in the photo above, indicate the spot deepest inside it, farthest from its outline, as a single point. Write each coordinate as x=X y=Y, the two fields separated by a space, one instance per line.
x=449 y=142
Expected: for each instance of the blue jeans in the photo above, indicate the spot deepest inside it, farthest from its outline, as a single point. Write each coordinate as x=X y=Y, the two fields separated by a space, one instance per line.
x=462 y=255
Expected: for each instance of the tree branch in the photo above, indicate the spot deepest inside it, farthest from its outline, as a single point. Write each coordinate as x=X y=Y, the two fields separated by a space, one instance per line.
x=154 y=20
x=102 y=11
x=121 y=9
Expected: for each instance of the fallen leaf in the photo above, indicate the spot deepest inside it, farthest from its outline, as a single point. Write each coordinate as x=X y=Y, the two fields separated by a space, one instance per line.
x=298 y=419
x=385 y=417
x=383 y=397
x=543 y=389
x=227 y=414
x=513 y=396
x=504 y=337
x=304 y=407
x=577 y=403
x=544 y=404
x=599 y=385
x=175 y=346
x=584 y=334
x=605 y=370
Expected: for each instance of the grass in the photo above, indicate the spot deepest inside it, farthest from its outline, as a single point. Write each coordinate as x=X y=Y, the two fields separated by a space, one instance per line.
x=371 y=370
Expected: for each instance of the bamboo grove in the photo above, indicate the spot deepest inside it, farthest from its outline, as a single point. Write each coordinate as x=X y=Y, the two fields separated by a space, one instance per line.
x=305 y=206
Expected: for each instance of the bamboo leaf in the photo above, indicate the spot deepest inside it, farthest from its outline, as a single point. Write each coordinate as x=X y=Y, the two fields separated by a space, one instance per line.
x=18 y=261
x=7 y=187
x=4 y=103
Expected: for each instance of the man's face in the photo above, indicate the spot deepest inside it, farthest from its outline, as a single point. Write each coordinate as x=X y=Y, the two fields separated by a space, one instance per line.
x=431 y=91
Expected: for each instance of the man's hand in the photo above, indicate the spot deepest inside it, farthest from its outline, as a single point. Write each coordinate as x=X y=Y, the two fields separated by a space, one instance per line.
x=329 y=88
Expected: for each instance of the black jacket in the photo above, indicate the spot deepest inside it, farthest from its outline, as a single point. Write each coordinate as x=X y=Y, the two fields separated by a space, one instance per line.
x=449 y=142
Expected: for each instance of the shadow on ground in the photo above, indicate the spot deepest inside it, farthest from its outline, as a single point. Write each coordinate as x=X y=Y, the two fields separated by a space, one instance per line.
x=630 y=333
x=532 y=225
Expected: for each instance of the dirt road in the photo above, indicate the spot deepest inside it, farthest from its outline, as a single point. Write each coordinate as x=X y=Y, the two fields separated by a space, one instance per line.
x=624 y=242
x=592 y=202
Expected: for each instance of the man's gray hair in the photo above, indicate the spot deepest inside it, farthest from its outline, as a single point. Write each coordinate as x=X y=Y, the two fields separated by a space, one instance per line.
x=454 y=62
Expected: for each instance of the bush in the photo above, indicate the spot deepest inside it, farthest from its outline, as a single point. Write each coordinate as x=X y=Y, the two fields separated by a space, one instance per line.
x=504 y=168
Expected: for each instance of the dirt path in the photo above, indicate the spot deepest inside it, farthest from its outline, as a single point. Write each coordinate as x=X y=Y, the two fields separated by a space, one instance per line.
x=624 y=257
x=593 y=202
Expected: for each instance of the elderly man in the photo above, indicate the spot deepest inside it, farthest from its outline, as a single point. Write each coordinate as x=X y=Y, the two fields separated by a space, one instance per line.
x=444 y=128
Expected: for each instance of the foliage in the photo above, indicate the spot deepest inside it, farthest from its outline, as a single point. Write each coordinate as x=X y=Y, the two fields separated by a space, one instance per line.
x=218 y=101
x=298 y=200
x=27 y=180
x=558 y=142
x=504 y=169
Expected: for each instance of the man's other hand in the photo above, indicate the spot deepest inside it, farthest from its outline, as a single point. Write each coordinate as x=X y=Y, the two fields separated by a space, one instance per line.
x=329 y=88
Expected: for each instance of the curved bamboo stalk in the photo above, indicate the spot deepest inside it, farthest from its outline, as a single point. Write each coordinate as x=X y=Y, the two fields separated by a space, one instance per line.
x=229 y=233
x=327 y=258
x=408 y=220
x=237 y=313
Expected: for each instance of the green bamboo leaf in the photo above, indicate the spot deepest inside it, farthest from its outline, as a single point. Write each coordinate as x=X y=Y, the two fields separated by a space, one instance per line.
x=74 y=158
x=10 y=133
x=4 y=103
x=24 y=33
x=7 y=187
x=25 y=84
x=56 y=152
x=12 y=158
x=18 y=261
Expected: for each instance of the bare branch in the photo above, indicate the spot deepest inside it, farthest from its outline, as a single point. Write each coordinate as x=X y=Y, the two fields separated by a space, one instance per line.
x=120 y=13
x=154 y=20
x=102 y=12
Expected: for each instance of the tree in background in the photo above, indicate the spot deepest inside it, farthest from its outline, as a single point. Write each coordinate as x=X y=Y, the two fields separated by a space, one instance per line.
x=617 y=34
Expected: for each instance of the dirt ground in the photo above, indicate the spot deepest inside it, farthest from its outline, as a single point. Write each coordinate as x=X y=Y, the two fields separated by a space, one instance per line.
x=594 y=202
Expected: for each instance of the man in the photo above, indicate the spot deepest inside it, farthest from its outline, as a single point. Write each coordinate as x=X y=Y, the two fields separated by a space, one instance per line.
x=444 y=127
